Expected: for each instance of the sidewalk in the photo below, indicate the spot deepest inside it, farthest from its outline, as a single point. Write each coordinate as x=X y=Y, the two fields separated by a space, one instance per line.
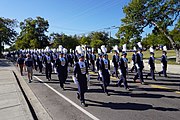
x=13 y=105
x=170 y=68
x=174 y=69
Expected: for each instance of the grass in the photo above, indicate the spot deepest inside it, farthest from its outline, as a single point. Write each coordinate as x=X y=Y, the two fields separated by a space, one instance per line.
x=146 y=55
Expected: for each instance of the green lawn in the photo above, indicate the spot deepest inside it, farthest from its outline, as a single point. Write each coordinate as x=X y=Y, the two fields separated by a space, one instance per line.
x=146 y=55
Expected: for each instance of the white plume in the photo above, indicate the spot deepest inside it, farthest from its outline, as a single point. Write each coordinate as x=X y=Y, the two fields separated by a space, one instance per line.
x=151 y=49
x=104 y=49
x=79 y=49
x=116 y=48
x=99 y=51
x=64 y=50
x=164 y=48
x=124 y=48
x=139 y=45
x=92 y=49
x=60 y=48
x=134 y=48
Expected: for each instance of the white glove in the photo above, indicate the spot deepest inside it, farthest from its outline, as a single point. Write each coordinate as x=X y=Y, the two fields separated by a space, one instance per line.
x=162 y=65
x=100 y=73
x=137 y=66
x=132 y=62
x=109 y=72
x=112 y=64
x=44 y=65
x=75 y=79
x=120 y=73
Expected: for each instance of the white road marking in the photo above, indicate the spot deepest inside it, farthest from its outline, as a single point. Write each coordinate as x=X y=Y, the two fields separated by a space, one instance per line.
x=67 y=99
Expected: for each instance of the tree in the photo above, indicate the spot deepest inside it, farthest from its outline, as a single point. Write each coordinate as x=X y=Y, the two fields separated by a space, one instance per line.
x=155 y=40
x=175 y=33
x=85 y=40
x=99 y=36
x=69 y=42
x=32 y=34
x=7 y=32
x=153 y=13
x=96 y=43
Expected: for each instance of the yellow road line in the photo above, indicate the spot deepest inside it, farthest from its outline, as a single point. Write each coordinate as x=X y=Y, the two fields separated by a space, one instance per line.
x=166 y=88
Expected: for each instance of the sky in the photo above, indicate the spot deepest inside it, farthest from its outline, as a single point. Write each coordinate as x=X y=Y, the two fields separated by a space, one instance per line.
x=68 y=16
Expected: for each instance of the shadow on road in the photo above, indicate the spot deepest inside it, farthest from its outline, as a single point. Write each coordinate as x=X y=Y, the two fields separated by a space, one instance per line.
x=128 y=106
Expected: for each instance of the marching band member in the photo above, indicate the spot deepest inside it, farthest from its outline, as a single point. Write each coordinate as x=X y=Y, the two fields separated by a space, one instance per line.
x=54 y=58
x=151 y=63
x=92 y=60
x=48 y=66
x=98 y=61
x=123 y=69
x=80 y=72
x=139 y=64
x=61 y=65
x=133 y=60
x=104 y=70
x=71 y=58
x=164 y=62
x=115 y=61
x=40 y=62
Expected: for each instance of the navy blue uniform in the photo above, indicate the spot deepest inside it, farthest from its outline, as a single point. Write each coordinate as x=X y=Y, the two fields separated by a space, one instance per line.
x=40 y=62
x=123 y=66
x=104 y=66
x=80 y=72
x=61 y=64
x=35 y=59
x=152 y=67
x=87 y=59
x=48 y=71
x=70 y=59
x=140 y=65
x=92 y=60
x=115 y=61
x=164 y=65
x=134 y=66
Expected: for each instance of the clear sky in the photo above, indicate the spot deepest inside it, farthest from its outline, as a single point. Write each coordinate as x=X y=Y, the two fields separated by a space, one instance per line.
x=68 y=16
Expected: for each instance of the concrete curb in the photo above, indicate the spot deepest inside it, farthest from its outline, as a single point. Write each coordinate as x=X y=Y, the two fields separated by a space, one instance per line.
x=39 y=110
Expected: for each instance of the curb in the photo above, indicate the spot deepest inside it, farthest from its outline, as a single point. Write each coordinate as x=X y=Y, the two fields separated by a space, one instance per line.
x=39 y=110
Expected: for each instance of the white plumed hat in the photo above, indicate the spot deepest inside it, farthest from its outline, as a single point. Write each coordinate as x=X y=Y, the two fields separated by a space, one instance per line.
x=139 y=45
x=151 y=50
x=60 y=48
x=104 y=49
x=164 y=48
x=124 y=48
x=116 y=48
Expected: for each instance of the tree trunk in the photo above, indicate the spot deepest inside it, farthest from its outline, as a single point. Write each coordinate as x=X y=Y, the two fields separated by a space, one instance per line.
x=174 y=45
x=178 y=56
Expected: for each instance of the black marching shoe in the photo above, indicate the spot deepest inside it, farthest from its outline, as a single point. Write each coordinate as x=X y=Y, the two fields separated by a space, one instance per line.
x=107 y=93
x=78 y=96
x=29 y=81
x=83 y=104
x=159 y=74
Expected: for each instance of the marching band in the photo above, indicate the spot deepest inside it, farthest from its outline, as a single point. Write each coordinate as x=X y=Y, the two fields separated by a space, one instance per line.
x=83 y=60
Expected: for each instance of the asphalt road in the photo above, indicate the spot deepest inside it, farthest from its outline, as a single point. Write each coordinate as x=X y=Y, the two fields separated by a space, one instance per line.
x=156 y=100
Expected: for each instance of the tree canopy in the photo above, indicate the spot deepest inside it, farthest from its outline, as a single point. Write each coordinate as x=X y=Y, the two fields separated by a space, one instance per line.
x=7 y=32
x=33 y=33
x=140 y=14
